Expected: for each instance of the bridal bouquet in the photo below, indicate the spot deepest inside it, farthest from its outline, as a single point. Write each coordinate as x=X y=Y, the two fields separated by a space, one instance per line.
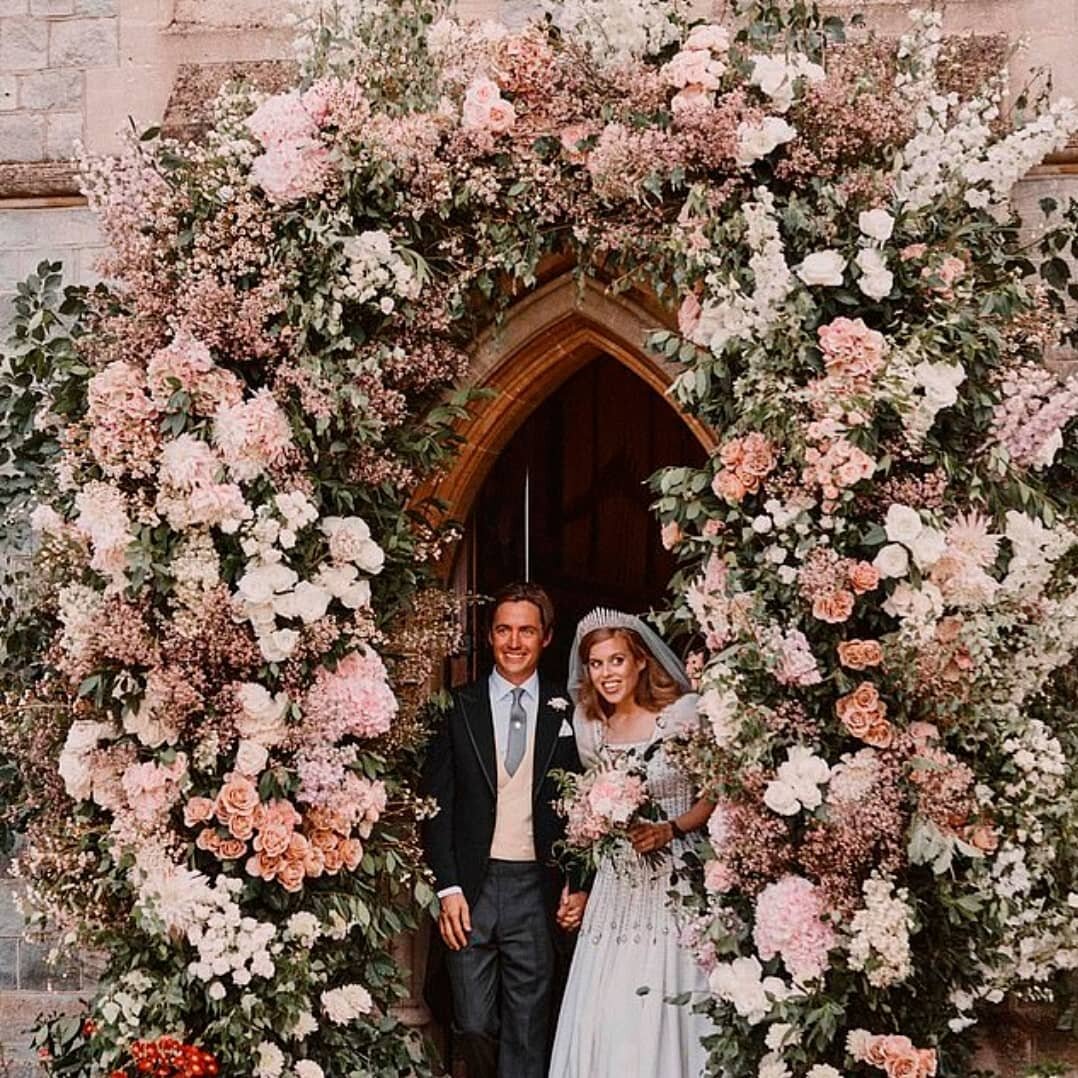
x=600 y=805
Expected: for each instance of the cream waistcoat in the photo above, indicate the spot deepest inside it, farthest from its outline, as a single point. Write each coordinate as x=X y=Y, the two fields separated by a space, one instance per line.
x=513 y=839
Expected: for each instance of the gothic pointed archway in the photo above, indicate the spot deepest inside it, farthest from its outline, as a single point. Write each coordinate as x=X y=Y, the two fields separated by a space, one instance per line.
x=550 y=482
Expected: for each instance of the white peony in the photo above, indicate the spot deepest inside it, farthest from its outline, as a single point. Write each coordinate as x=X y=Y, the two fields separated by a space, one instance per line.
x=823 y=1070
x=876 y=224
x=876 y=279
x=307 y=1068
x=739 y=982
x=306 y=601
x=797 y=782
x=270 y=1062
x=756 y=140
x=261 y=583
x=773 y=1065
x=903 y=524
x=892 y=561
x=251 y=758
x=342 y=582
x=303 y=927
x=940 y=382
x=781 y=799
x=822 y=268
x=262 y=717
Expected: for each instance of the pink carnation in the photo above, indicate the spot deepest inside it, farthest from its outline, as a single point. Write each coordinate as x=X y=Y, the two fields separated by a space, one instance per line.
x=355 y=699
x=789 y=923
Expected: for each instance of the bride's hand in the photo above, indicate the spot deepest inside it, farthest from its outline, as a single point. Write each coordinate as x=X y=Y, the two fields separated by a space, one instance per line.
x=648 y=837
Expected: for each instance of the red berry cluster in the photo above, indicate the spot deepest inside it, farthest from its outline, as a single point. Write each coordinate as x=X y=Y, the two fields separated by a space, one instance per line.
x=169 y=1058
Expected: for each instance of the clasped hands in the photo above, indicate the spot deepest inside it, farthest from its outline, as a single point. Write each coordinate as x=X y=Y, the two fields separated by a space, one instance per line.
x=455 y=917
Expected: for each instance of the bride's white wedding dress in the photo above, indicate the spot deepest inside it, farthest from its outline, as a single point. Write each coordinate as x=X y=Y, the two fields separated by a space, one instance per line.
x=614 y=1021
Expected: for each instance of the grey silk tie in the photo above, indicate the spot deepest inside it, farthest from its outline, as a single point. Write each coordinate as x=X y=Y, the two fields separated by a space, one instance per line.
x=518 y=733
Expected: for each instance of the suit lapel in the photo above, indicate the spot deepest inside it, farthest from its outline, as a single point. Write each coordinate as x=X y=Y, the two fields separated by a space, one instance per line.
x=474 y=704
x=547 y=724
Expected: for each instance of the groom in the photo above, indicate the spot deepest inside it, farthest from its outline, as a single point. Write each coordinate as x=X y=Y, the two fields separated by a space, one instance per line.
x=489 y=844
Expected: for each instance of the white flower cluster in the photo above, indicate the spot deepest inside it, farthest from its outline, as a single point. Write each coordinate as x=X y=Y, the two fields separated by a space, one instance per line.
x=918 y=53
x=304 y=928
x=270 y=590
x=920 y=390
x=616 y=31
x=781 y=76
x=797 y=782
x=880 y=933
x=347 y=1003
x=1040 y=759
x=1035 y=550
x=741 y=983
x=376 y=273
x=732 y=314
x=121 y=1006
x=78 y=608
x=195 y=568
x=102 y=518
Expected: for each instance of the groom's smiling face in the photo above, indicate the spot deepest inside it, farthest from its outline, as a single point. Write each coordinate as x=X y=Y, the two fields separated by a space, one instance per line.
x=518 y=637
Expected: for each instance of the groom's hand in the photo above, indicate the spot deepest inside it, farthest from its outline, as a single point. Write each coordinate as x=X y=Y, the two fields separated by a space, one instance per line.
x=455 y=921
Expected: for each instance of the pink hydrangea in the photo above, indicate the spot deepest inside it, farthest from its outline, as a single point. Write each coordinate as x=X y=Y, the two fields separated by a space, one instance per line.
x=295 y=163
x=790 y=923
x=151 y=788
x=123 y=421
x=186 y=364
x=253 y=435
x=102 y=518
x=355 y=699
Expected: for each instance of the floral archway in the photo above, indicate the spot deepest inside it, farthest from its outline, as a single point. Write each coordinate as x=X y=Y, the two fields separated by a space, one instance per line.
x=216 y=673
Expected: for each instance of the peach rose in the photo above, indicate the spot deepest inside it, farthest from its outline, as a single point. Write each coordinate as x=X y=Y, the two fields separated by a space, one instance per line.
x=273 y=839
x=263 y=867
x=208 y=839
x=334 y=859
x=242 y=826
x=984 y=838
x=323 y=839
x=231 y=849
x=291 y=875
x=314 y=862
x=860 y=654
x=834 y=607
x=863 y=577
x=874 y=1052
x=862 y=712
x=727 y=485
x=880 y=734
x=929 y=1061
x=758 y=456
x=197 y=810
x=671 y=535
x=238 y=797
x=352 y=852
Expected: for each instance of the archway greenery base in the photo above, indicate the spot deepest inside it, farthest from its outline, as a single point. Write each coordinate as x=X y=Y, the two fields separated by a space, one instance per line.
x=215 y=669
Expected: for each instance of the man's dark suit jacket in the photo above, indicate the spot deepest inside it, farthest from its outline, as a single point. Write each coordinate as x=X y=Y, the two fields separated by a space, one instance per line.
x=461 y=774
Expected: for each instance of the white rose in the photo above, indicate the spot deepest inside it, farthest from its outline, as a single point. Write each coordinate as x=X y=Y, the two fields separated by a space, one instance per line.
x=303 y=926
x=371 y=557
x=758 y=140
x=770 y=73
x=262 y=715
x=876 y=279
x=306 y=601
x=892 y=561
x=75 y=771
x=823 y=1070
x=762 y=524
x=876 y=224
x=152 y=732
x=929 y=546
x=780 y=798
x=279 y=645
x=83 y=735
x=903 y=524
x=721 y=707
x=251 y=758
x=822 y=268
x=307 y=1068
x=356 y=527
x=259 y=584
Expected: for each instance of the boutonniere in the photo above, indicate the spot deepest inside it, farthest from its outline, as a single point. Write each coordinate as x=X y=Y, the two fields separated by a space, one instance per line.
x=558 y=703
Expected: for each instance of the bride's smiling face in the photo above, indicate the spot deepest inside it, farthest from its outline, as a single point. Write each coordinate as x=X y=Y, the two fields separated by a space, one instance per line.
x=613 y=670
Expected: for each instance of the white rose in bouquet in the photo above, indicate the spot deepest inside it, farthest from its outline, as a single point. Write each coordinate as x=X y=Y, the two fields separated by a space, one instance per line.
x=758 y=140
x=903 y=524
x=822 y=268
x=877 y=224
x=892 y=561
x=263 y=715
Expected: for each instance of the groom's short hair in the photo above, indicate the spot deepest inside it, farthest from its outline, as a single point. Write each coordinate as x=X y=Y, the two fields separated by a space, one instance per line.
x=524 y=591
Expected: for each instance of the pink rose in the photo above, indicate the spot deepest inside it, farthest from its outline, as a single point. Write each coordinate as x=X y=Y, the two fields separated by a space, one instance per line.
x=197 y=810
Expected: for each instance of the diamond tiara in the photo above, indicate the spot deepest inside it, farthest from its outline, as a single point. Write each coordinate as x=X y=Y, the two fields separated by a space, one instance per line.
x=604 y=618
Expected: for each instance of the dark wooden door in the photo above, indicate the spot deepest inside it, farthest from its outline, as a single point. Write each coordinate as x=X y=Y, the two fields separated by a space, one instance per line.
x=568 y=497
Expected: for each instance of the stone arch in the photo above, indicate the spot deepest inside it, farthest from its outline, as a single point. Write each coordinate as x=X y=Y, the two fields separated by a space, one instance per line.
x=545 y=338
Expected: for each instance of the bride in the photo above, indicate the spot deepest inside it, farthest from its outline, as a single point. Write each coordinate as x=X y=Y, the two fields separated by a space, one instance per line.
x=632 y=694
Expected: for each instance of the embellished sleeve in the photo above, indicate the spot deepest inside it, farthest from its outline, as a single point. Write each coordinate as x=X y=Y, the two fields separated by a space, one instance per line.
x=682 y=717
x=587 y=738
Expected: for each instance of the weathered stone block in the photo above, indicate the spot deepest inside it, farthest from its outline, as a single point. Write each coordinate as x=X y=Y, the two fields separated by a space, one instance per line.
x=61 y=131
x=22 y=136
x=9 y=963
x=48 y=231
x=24 y=44
x=37 y=974
x=52 y=7
x=50 y=90
x=13 y=7
x=96 y=7
x=8 y=92
x=11 y=921
x=20 y=1010
x=83 y=43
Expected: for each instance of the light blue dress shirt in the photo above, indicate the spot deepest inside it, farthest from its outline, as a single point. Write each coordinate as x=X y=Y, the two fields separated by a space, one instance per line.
x=501 y=700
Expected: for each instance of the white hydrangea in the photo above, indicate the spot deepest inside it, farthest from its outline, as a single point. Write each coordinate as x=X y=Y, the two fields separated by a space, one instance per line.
x=780 y=76
x=376 y=273
x=797 y=782
x=880 y=934
x=616 y=31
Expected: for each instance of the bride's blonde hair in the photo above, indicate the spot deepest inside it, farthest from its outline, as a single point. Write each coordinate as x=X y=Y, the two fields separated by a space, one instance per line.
x=655 y=689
